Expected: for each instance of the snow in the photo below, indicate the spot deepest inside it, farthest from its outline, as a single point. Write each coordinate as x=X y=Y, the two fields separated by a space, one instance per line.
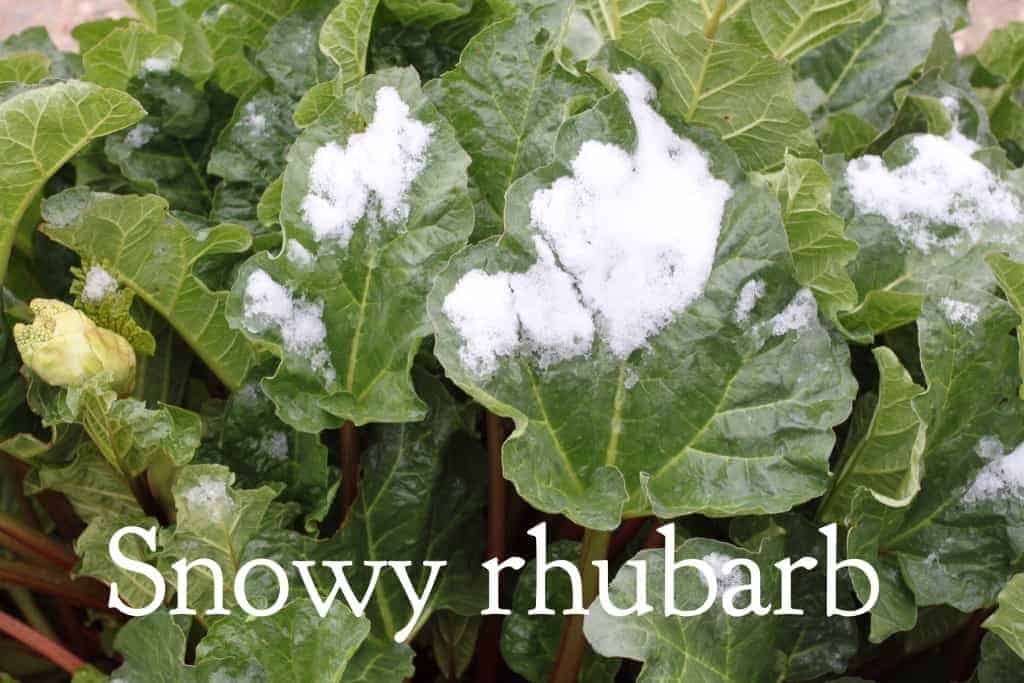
x=631 y=378
x=1003 y=475
x=957 y=138
x=298 y=255
x=158 y=65
x=140 y=135
x=271 y=306
x=750 y=294
x=209 y=497
x=371 y=174
x=943 y=184
x=624 y=244
x=797 y=315
x=98 y=284
x=717 y=562
x=275 y=445
x=254 y=121
x=960 y=313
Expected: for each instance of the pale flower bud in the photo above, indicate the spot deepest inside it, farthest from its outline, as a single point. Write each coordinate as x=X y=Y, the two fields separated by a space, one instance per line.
x=65 y=348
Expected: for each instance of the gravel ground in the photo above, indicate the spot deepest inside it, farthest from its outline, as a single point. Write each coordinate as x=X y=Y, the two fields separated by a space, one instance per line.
x=59 y=16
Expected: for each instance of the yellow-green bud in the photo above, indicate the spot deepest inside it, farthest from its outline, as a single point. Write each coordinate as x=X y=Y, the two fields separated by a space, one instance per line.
x=65 y=348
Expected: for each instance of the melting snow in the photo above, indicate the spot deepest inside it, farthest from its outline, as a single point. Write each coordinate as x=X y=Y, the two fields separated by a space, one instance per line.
x=275 y=445
x=271 y=306
x=98 y=284
x=717 y=562
x=254 y=121
x=371 y=174
x=943 y=184
x=298 y=255
x=209 y=496
x=1003 y=475
x=960 y=312
x=140 y=135
x=797 y=315
x=751 y=293
x=158 y=65
x=625 y=243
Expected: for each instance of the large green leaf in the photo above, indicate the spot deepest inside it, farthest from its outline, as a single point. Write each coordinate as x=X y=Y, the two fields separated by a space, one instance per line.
x=168 y=18
x=362 y=301
x=1010 y=275
x=816 y=234
x=737 y=91
x=884 y=448
x=1008 y=621
x=428 y=12
x=712 y=647
x=420 y=499
x=40 y=130
x=500 y=101
x=998 y=662
x=858 y=71
x=121 y=55
x=345 y=37
x=790 y=28
x=156 y=255
x=294 y=644
x=957 y=542
x=529 y=643
x=93 y=547
x=751 y=412
x=1003 y=56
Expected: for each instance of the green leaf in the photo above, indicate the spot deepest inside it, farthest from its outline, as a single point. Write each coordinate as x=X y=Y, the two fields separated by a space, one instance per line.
x=345 y=37
x=847 y=134
x=370 y=293
x=453 y=642
x=1008 y=621
x=91 y=484
x=737 y=91
x=884 y=448
x=93 y=547
x=529 y=644
x=1010 y=275
x=816 y=234
x=155 y=255
x=120 y=55
x=167 y=18
x=712 y=647
x=428 y=12
x=24 y=67
x=63 y=65
x=506 y=101
x=112 y=311
x=259 y=448
x=739 y=397
x=40 y=130
x=792 y=28
x=998 y=662
x=955 y=543
x=295 y=644
x=859 y=70
x=420 y=499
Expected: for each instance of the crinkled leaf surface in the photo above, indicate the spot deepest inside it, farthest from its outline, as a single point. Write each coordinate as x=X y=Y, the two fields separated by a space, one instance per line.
x=751 y=414
x=453 y=641
x=529 y=643
x=155 y=255
x=998 y=663
x=792 y=27
x=948 y=547
x=373 y=289
x=117 y=58
x=40 y=130
x=858 y=71
x=883 y=451
x=816 y=234
x=713 y=647
x=420 y=499
x=168 y=18
x=345 y=37
x=737 y=91
x=506 y=100
x=1008 y=621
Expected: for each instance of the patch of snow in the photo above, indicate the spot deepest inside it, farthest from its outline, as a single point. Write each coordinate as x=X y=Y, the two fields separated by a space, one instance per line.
x=156 y=65
x=275 y=445
x=717 y=562
x=271 y=306
x=140 y=135
x=298 y=255
x=942 y=185
x=960 y=313
x=625 y=243
x=797 y=315
x=750 y=294
x=1003 y=476
x=989 y=448
x=370 y=175
x=254 y=120
x=209 y=497
x=98 y=284
x=632 y=377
